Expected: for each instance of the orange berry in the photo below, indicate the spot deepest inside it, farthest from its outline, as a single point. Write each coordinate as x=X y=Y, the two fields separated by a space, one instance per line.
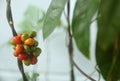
x=15 y=54
x=19 y=48
x=29 y=41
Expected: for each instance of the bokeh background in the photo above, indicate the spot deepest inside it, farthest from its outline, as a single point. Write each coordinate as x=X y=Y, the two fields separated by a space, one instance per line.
x=53 y=63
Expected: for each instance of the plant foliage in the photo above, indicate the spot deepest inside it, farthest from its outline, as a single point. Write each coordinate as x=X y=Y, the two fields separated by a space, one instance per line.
x=33 y=19
x=33 y=77
x=108 y=40
x=83 y=13
x=53 y=16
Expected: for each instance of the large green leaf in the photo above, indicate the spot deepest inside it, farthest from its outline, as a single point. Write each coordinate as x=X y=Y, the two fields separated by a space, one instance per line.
x=83 y=13
x=53 y=16
x=108 y=40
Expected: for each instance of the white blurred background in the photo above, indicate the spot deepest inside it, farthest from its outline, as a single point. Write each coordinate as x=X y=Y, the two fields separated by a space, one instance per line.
x=53 y=63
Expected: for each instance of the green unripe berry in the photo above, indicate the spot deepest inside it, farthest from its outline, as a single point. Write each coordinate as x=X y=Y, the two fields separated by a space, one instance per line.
x=14 y=46
x=24 y=37
x=11 y=42
x=32 y=48
x=37 y=52
x=27 y=49
x=32 y=34
x=36 y=43
x=27 y=61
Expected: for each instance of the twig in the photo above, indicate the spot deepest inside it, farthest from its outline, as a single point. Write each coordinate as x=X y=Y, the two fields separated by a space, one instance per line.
x=90 y=74
x=90 y=78
x=11 y=23
x=70 y=47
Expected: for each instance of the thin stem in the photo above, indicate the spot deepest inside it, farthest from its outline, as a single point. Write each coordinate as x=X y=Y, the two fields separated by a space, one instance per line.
x=11 y=23
x=82 y=71
x=70 y=46
x=99 y=73
x=90 y=74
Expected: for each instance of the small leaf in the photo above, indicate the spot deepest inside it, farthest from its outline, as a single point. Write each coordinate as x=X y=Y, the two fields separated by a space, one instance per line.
x=34 y=76
x=53 y=16
x=83 y=13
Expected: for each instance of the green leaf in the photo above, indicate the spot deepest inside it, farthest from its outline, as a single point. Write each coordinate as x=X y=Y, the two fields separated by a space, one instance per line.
x=53 y=16
x=34 y=76
x=83 y=13
x=33 y=19
x=108 y=40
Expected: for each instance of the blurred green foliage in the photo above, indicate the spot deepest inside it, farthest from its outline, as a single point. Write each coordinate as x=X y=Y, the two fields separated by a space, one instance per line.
x=33 y=19
x=33 y=77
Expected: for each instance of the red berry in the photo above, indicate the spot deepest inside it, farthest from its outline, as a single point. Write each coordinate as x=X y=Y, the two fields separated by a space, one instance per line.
x=22 y=56
x=19 y=35
x=33 y=60
x=16 y=40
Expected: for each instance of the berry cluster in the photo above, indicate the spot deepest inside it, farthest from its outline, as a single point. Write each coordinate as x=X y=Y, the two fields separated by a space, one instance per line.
x=25 y=48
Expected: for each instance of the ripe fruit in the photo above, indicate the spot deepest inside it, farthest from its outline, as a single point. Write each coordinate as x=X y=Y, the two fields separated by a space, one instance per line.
x=15 y=54
x=16 y=40
x=20 y=35
x=32 y=34
x=37 y=52
x=19 y=48
x=29 y=41
x=27 y=61
x=22 y=56
x=25 y=48
x=24 y=37
x=33 y=60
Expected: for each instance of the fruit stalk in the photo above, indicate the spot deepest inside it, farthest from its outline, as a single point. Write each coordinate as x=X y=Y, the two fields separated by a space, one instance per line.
x=10 y=21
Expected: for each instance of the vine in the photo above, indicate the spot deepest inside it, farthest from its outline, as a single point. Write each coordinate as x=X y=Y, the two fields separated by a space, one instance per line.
x=11 y=24
x=70 y=48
